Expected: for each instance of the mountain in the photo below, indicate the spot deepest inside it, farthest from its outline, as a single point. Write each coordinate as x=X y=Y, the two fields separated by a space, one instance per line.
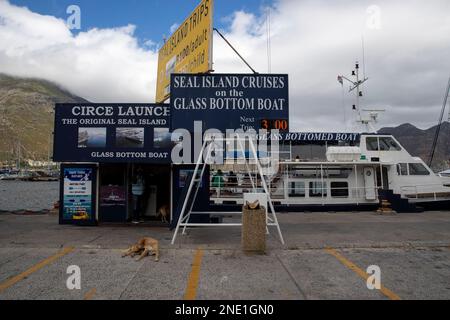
x=418 y=142
x=27 y=115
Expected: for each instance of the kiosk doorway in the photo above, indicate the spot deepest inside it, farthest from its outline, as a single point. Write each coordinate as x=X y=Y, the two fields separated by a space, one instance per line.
x=133 y=192
x=150 y=190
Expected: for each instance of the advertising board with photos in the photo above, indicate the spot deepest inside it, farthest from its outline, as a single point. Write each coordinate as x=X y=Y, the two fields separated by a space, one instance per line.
x=78 y=194
x=112 y=133
x=230 y=101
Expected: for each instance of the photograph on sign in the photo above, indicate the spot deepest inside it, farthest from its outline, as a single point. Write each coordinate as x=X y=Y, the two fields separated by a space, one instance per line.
x=130 y=137
x=188 y=50
x=112 y=195
x=230 y=101
x=162 y=138
x=91 y=137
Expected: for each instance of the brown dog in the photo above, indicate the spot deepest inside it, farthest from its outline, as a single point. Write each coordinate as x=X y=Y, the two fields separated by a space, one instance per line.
x=144 y=247
x=164 y=213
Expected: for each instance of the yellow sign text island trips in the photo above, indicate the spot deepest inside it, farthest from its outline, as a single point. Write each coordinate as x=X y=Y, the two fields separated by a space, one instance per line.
x=188 y=50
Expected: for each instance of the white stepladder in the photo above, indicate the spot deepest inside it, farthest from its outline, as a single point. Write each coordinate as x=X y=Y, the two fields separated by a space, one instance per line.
x=196 y=180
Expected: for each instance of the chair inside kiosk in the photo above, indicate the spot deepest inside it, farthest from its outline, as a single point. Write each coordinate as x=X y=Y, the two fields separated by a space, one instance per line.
x=116 y=201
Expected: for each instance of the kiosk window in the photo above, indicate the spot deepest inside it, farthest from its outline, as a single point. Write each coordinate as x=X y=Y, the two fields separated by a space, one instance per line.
x=297 y=189
x=339 y=189
x=317 y=189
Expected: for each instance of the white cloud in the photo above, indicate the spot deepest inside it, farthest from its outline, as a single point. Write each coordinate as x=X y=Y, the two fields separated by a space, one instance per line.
x=150 y=44
x=407 y=59
x=174 y=27
x=101 y=65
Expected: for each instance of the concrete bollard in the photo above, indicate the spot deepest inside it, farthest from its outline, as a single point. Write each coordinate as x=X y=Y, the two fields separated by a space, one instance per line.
x=254 y=230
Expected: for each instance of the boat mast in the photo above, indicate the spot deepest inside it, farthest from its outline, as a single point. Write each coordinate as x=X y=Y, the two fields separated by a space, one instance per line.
x=438 y=128
x=356 y=86
x=18 y=156
x=48 y=153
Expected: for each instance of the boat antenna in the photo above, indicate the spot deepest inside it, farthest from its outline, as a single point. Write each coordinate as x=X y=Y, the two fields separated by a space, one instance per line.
x=269 y=44
x=340 y=80
x=356 y=84
x=363 y=56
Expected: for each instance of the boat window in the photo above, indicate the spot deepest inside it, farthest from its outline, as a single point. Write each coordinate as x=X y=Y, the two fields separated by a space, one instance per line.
x=309 y=152
x=317 y=189
x=337 y=172
x=284 y=151
x=389 y=144
x=297 y=189
x=418 y=169
x=372 y=143
x=402 y=169
x=305 y=172
x=386 y=144
x=339 y=189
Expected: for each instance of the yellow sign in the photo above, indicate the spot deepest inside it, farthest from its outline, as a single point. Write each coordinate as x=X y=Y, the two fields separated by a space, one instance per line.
x=188 y=50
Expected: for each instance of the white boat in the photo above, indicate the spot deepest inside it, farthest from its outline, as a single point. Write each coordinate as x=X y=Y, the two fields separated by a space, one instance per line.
x=351 y=178
x=445 y=173
x=345 y=176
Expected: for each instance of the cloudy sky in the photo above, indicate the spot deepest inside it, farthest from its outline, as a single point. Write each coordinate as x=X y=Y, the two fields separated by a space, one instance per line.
x=113 y=57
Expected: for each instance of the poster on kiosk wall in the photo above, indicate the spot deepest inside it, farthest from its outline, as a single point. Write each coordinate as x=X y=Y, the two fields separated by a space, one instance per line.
x=78 y=196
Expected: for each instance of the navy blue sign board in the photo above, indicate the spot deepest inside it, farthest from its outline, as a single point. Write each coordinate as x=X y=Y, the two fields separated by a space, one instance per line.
x=112 y=133
x=230 y=101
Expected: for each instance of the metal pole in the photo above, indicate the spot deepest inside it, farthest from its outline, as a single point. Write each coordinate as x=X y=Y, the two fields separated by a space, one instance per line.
x=223 y=37
x=356 y=185
x=18 y=156
x=321 y=183
x=264 y=185
x=191 y=185
x=381 y=165
x=438 y=129
x=48 y=154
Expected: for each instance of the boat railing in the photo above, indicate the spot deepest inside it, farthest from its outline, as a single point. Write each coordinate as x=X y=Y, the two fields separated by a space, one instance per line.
x=425 y=191
x=279 y=192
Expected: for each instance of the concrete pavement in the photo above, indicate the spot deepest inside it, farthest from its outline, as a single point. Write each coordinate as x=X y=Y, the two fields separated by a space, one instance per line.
x=412 y=251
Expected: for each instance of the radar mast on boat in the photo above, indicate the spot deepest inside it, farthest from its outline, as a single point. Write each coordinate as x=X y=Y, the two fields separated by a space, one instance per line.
x=370 y=116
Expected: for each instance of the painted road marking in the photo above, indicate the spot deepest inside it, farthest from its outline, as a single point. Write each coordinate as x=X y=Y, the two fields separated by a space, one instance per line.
x=12 y=281
x=90 y=294
x=191 y=289
x=388 y=293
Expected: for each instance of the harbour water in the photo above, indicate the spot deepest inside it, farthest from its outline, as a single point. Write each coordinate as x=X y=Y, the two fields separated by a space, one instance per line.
x=22 y=195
